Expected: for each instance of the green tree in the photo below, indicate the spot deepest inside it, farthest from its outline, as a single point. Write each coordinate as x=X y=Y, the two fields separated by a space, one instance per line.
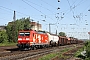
x=27 y=23
x=62 y=34
x=3 y=37
x=9 y=32
x=13 y=28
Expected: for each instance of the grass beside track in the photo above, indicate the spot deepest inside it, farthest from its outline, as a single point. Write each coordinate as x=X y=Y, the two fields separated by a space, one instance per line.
x=78 y=52
x=56 y=54
x=8 y=44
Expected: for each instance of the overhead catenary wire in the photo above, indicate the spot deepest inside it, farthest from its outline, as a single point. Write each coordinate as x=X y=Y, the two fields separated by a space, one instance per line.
x=79 y=3
x=37 y=9
x=13 y=10
x=48 y=4
x=18 y=12
x=65 y=12
x=52 y=7
x=74 y=6
x=71 y=8
x=33 y=7
x=86 y=9
x=41 y=6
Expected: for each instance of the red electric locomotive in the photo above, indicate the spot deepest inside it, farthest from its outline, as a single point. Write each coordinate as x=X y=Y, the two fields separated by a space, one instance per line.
x=32 y=39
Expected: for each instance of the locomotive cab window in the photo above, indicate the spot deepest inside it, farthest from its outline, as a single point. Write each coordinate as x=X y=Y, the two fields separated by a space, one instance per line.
x=21 y=34
x=24 y=34
x=27 y=33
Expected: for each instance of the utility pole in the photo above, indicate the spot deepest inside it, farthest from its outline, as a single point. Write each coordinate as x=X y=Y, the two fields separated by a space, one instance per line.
x=14 y=17
x=56 y=32
x=14 y=27
x=37 y=25
x=50 y=27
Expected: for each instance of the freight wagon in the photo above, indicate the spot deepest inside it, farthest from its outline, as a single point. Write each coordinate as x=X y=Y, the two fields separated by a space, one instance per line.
x=62 y=40
x=53 y=39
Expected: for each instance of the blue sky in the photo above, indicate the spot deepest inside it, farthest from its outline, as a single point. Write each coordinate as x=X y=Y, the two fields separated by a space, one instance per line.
x=72 y=17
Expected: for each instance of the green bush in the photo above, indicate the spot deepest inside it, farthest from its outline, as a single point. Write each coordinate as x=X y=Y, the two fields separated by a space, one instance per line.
x=87 y=58
x=87 y=44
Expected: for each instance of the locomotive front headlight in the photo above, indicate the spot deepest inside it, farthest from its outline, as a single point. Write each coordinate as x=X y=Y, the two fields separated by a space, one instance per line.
x=27 y=39
x=19 y=38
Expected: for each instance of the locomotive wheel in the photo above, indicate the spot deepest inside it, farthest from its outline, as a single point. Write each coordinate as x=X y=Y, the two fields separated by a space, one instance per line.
x=41 y=46
x=58 y=43
x=51 y=43
x=29 y=48
x=55 y=44
x=34 y=48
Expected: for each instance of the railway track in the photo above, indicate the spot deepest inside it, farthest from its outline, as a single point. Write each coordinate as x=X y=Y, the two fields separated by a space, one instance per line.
x=24 y=55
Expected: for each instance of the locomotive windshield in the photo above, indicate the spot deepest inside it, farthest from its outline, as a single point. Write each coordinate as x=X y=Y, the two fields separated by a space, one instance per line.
x=27 y=33
x=24 y=34
x=21 y=33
